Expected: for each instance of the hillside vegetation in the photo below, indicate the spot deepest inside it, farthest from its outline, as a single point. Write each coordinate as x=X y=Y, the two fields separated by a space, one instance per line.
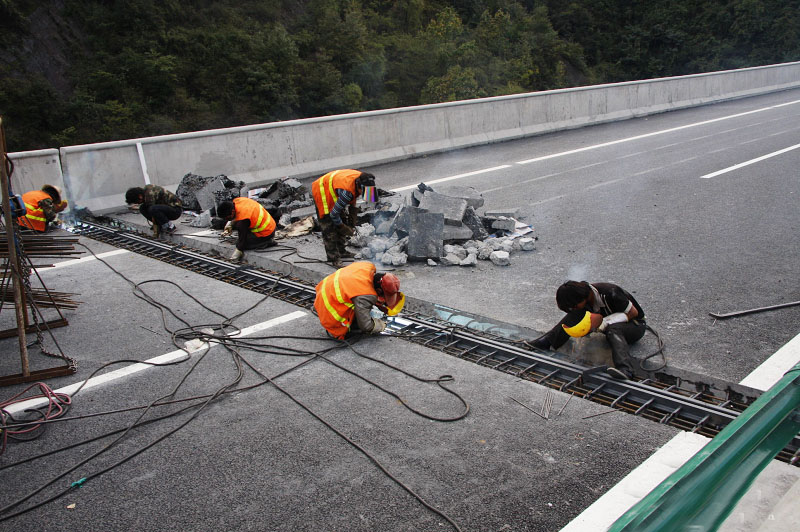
x=82 y=71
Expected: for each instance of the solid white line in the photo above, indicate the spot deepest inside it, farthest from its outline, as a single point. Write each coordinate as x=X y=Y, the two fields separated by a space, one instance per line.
x=653 y=134
x=621 y=497
x=748 y=163
x=459 y=176
x=773 y=369
x=163 y=359
x=82 y=260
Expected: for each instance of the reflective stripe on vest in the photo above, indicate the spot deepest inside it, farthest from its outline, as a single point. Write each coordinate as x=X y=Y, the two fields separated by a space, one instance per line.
x=260 y=226
x=34 y=210
x=337 y=288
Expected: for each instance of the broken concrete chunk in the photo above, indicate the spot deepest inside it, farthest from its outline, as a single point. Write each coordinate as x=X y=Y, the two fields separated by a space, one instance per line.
x=474 y=222
x=399 y=259
x=432 y=262
x=527 y=244
x=452 y=208
x=484 y=252
x=496 y=213
x=504 y=224
x=377 y=245
x=500 y=258
x=470 y=194
x=507 y=246
x=454 y=233
x=425 y=235
x=203 y=220
x=455 y=250
x=451 y=259
x=470 y=260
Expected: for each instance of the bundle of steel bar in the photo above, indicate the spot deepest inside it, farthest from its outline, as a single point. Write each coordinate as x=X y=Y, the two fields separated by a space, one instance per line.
x=35 y=245
x=42 y=298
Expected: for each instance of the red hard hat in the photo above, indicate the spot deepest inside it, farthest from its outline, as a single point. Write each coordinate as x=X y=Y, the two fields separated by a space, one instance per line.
x=390 y=285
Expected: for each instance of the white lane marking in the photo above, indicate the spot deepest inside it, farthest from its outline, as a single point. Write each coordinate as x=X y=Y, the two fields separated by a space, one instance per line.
x=604 y=183
x=771 y=371
x=621 y=497
x=163 y=359
x=452 y=177
x=653 y=134
x=83 y=260
x=748 y=163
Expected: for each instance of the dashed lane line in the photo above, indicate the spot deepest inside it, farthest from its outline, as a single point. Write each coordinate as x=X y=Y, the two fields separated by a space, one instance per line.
x=748 y=163
x=191 y=348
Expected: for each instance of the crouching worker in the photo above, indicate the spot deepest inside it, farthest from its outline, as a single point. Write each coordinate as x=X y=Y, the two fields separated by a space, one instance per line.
x=346 y=297
x=42 y=208
x=335 y=195
x=602 y=307
x=254 y=226
x=158 y=205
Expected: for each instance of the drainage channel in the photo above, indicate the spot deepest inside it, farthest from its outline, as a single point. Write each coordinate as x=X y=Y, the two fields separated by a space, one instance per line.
x=703 y=412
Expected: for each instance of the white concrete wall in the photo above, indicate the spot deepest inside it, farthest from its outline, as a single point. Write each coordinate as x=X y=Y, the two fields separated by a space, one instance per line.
x=97 y=175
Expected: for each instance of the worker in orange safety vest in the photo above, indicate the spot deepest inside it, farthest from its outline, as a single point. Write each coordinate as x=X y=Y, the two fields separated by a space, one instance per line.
x=42 y=208
x=346 y=297
x=254 y=225
x=335 y=196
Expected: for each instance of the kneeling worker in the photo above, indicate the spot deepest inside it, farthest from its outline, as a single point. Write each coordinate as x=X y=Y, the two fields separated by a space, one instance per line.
x=603 y=307
x=158 y=205
x=334 y=193
x=346 y=297
x=42 y=208
x=254 y=225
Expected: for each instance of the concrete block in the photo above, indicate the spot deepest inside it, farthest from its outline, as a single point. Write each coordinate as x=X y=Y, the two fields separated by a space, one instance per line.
x=399 y=259
x=496 y=213
x=474 y=222
x=470 y=260
x=484 y=252
x=206 y=197
x=527 y=244
x=452 y=208
x=500 y=258
x=504 y=224
x=470 y=194
x=425 y=235
x=454 y=233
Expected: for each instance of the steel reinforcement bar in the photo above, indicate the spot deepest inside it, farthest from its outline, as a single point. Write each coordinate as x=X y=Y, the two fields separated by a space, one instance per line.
x=691 y=410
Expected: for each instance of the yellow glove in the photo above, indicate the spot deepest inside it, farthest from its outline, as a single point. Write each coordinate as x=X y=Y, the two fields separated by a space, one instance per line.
x=228 y=229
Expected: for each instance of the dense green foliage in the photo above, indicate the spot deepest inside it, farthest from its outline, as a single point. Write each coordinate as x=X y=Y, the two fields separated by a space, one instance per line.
x=80 y=71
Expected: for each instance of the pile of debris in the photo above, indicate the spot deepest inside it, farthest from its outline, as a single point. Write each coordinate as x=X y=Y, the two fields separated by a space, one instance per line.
x=440 y=226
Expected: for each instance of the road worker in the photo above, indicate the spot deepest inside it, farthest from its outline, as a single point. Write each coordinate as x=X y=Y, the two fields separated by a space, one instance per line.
x=602 y=307
x=42 y=208
x=335 y=196
x=254 y=226
x=346 y=297
x=160 y=206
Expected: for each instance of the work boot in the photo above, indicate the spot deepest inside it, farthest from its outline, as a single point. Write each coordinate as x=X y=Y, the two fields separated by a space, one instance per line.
x=539 y=343
x=169 y=228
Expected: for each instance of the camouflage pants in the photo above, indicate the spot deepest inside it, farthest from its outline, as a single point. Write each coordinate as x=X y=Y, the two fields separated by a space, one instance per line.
x=333 y=238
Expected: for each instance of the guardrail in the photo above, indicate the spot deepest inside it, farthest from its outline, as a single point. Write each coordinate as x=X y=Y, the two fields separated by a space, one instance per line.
x=704 y=491
x=97 y=175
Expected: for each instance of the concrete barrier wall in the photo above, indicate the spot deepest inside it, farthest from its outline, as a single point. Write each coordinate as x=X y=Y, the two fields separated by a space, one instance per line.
x=97 y=175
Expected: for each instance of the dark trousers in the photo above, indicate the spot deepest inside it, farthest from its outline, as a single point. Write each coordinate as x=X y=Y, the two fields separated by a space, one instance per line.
x=160 y=214
x=333 y=238
x=620 y=336
x=247 y=240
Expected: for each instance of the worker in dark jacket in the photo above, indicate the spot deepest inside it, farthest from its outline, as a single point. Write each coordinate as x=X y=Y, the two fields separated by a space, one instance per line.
x=335 y=196
x=42 y=208
x=346 y=297
x=158 y=205
x=602 y=307
x=254 y=226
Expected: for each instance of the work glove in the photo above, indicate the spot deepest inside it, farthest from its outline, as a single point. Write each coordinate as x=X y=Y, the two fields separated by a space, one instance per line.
x=378 y=326
x=228 y=229
x=617 y=317
x=237 y=255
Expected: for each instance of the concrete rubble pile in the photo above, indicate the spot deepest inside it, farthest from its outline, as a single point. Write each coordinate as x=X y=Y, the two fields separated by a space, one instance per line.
x=439 y=225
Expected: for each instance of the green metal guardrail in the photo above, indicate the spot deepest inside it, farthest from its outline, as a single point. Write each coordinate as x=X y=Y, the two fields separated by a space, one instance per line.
x=703 y=492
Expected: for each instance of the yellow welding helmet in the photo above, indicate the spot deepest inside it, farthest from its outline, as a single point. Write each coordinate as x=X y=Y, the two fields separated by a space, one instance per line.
x=577 y=325
x=395 y=310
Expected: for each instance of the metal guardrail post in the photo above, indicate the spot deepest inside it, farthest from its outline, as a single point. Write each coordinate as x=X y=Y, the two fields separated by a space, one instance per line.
x=704 y=491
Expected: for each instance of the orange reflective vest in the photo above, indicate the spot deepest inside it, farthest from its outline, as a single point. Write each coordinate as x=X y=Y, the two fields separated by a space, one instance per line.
x=335 y=293
x=261 y=223
x=324 y=188
x=35 y=218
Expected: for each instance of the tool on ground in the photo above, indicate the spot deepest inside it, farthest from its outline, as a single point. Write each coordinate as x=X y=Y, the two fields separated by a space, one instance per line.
x=753 y=310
